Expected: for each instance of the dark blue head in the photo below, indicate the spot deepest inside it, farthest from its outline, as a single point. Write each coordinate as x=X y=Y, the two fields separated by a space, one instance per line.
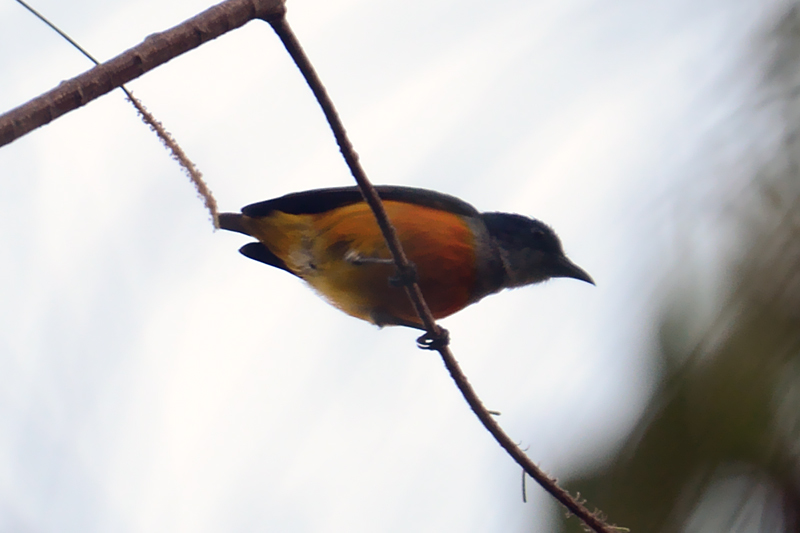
x=530 y=250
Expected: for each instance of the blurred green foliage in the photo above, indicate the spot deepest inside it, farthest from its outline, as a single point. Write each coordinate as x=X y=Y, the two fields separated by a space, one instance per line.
x=718 y=447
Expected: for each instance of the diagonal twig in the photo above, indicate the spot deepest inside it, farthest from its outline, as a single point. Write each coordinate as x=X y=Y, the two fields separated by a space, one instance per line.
x=154 y=51
x=292 y=45
x=167 y=139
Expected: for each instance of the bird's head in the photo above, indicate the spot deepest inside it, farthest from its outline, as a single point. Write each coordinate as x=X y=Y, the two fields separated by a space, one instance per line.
x=531 y=251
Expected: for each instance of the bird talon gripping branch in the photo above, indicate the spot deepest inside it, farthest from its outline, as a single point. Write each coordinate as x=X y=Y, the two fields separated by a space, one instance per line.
x=330 y=239
x=434 y=342
x=405 y=277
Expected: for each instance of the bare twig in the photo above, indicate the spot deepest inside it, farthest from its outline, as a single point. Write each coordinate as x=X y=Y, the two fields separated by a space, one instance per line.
x=169 y=142
x=292 y=45
x=524 y=489
x=154 y=51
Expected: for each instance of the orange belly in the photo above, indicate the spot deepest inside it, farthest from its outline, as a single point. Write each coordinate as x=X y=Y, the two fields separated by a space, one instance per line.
x=320 y=249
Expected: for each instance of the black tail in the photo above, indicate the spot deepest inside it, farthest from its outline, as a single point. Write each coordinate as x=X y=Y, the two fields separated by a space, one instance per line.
x=232 y=222
x=254 y=250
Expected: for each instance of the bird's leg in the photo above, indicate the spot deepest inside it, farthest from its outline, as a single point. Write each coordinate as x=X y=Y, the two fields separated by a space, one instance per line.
x=351 y=256
x=425 y=342
x=405 y=277
x=402 y=278
x=434 y=342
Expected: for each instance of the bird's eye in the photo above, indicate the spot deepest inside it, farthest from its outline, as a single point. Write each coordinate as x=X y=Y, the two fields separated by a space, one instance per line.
x=537 y=234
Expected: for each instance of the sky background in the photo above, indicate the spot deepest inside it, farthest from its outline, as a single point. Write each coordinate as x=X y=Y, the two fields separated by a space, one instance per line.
x=153 y=379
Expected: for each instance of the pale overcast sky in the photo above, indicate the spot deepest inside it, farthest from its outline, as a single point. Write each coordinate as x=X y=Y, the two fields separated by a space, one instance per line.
x=152 y=379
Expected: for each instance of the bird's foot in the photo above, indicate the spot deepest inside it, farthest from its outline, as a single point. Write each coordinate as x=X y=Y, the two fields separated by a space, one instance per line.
x=434 y=342
x=405 y=277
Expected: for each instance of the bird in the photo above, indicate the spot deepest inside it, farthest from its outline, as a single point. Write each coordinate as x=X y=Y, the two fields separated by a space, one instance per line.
x=330 y=239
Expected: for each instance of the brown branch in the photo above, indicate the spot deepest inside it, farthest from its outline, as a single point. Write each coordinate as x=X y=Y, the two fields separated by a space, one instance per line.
x=292 y=45
x=154 y=51
x=167 y=139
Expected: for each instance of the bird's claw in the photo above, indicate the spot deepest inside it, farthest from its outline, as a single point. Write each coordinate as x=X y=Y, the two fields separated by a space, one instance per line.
x=434 y=342
x=405 y=277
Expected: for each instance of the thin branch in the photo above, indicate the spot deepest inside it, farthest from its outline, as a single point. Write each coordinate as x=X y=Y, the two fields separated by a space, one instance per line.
x=292 y=45
x=167 y=139
x=154 y=51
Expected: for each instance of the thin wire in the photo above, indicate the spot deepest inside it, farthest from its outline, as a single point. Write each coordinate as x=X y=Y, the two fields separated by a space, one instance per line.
x=61 y=33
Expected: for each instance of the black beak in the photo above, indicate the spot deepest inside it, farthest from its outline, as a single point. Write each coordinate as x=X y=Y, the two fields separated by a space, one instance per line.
x=567 y=269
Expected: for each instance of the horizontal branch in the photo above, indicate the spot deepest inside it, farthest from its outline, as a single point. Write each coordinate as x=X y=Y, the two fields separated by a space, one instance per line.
x=155 y=50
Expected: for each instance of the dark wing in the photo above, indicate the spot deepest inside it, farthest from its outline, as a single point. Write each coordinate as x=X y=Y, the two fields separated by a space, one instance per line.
x=322 y=200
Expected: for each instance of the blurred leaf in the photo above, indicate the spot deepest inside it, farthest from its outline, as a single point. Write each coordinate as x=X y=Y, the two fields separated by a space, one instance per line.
x=718 y=448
